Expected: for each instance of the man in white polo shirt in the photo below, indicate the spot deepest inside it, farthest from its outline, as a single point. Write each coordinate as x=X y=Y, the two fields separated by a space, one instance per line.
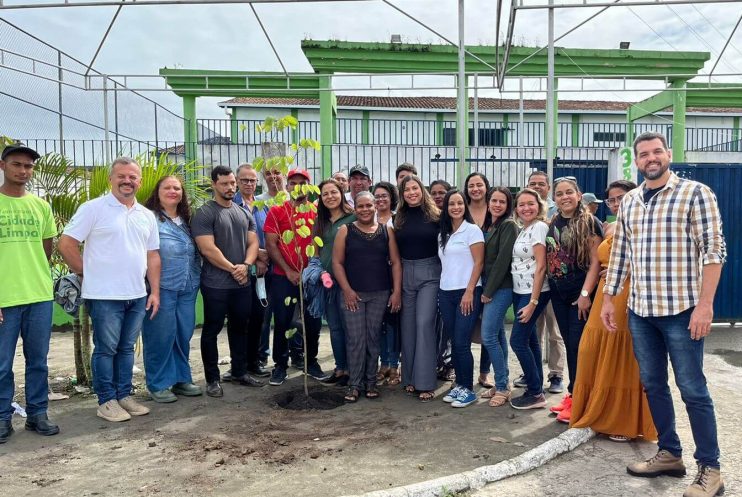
x=121 y=248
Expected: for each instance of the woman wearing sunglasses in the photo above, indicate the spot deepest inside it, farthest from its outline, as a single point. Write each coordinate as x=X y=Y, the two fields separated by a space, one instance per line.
x=573 y=269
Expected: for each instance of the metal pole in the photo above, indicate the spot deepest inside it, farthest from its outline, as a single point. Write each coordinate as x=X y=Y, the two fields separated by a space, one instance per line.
x=107 y=142
x=521 y=138
x=549 y=138
x=59 y=101
x=476 y=110
x=462 y=105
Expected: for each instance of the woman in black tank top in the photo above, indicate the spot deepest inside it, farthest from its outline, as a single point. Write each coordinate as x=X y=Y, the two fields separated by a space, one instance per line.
x=361 y=261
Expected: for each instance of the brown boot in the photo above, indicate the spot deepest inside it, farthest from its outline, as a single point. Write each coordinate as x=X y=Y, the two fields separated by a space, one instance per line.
x=707 y=483
x=663 y=463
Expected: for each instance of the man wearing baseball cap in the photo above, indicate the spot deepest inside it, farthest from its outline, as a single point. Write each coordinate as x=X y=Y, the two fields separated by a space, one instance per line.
x=591 y=202
x=359 y=181
x=289 y=259
x=27 y=230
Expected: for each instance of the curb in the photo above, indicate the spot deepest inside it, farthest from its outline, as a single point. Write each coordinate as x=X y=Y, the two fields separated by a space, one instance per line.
x=479 y=477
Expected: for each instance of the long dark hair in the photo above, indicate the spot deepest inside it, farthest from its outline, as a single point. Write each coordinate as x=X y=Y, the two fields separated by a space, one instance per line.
x=467 y=199
x=322 y=223
x=446 y=224
x=581 y=223
x=431 y=212
x=183 y=209
x=391 y=190
x=508 y=208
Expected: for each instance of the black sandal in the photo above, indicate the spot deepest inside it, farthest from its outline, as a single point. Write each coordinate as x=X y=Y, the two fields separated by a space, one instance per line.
x=351 y=395
x=372 y=393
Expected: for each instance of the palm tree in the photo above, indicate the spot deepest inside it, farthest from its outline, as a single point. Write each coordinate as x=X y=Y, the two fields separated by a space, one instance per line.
x=66 y=187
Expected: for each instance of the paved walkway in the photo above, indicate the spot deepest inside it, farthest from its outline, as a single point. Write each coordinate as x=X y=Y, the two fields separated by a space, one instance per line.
x=597 y=468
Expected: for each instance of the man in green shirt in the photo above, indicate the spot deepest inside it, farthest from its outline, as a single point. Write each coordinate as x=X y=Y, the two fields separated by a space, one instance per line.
x=27 y=229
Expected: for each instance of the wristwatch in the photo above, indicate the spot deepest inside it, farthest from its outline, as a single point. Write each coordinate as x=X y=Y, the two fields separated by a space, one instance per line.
x=534 y=301
x=584 y=293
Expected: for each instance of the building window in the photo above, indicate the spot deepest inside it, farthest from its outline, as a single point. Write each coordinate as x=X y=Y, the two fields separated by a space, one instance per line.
x=609 y=136
x=490 y=137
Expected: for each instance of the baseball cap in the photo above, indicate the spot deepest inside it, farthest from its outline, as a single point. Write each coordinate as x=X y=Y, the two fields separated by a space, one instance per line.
x=299 y=172
x=358 y=168
x=590 y=198
x=19 y=148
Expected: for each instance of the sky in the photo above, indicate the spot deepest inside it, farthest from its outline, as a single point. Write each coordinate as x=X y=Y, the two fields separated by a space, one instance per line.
x=146 y=38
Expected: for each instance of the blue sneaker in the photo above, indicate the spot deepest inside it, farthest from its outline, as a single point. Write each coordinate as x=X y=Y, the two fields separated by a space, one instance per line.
x=452 y=394
x=278 y=376
x=466 y=397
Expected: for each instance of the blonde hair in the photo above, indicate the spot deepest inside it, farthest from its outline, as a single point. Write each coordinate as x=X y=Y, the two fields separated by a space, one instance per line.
x=541 y=216
x=581 y=224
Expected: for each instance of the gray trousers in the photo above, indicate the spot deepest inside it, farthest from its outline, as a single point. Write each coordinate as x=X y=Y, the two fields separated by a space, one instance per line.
x=420 y=281
x=363 y=338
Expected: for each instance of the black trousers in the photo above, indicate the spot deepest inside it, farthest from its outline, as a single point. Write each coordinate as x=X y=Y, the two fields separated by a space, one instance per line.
x=254 y=326
x=283 y=315
x=233 y=304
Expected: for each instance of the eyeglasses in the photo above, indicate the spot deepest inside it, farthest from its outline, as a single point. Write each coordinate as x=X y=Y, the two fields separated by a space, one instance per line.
x=610 y=201
x=248 y=181
x=383 y=196
x=566 y=178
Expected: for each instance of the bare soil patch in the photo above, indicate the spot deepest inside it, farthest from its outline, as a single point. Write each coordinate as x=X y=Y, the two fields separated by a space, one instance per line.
x=246 y=444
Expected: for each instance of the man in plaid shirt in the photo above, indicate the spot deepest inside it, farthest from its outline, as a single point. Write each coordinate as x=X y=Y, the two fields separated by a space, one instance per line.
x=668 y=237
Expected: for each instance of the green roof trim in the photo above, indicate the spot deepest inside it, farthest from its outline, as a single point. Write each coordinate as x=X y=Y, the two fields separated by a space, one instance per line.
x=327 y=56
x=241 y=83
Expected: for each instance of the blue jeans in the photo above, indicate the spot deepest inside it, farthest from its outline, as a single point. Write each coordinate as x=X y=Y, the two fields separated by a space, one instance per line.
x=336 y=323
x=116 y=326
x=460 y=328
x=654 y=339
x=167 y=339
x=570 y=327
x=389 y=344
x=494 y=339
x=33 y=323
x=524 y=341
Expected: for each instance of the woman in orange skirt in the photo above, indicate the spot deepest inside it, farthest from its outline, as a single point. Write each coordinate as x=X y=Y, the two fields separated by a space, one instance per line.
x=608 y=395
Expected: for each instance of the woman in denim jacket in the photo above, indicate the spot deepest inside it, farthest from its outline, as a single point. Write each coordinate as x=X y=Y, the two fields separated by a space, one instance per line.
x=166 y=337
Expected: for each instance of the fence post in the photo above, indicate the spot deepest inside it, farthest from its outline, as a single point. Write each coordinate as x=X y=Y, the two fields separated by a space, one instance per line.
x=60 y=75
x=191 y=127
x=678 y=121
x=327 y=122
x=107 y=141
x=735 y=135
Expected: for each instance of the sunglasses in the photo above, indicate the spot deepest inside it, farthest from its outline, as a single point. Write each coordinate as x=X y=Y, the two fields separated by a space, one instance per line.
x=565 y=178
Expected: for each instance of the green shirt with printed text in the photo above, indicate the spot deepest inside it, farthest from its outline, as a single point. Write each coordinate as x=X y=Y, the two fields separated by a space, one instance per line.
x=24 y=223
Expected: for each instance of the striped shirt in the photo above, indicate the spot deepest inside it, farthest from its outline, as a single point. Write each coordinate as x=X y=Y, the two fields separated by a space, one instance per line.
x=665 y=243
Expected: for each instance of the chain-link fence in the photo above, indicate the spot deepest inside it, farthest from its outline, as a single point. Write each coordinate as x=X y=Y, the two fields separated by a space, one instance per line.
x=54 y=101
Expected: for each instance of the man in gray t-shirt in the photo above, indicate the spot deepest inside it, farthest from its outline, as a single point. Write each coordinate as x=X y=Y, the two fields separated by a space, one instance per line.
x=227 y=238
x=229 y=226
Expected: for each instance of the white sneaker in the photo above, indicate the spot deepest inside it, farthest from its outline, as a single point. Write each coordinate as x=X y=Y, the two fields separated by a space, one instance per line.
x=112 y=411
x=133 y=407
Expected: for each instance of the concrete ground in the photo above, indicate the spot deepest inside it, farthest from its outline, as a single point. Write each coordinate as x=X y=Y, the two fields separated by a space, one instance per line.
x=597 y=468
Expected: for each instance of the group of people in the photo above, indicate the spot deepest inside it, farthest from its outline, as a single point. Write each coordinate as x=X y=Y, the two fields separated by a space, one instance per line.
x=402 y=274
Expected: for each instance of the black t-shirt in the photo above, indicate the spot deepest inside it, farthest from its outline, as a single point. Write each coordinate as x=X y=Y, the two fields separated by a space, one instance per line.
x=561 y=249
x=417 y=238
x=651 y=192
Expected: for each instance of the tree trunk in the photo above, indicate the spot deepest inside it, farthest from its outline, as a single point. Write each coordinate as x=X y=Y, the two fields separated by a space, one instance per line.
x=85 y=349
x=80 y=372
